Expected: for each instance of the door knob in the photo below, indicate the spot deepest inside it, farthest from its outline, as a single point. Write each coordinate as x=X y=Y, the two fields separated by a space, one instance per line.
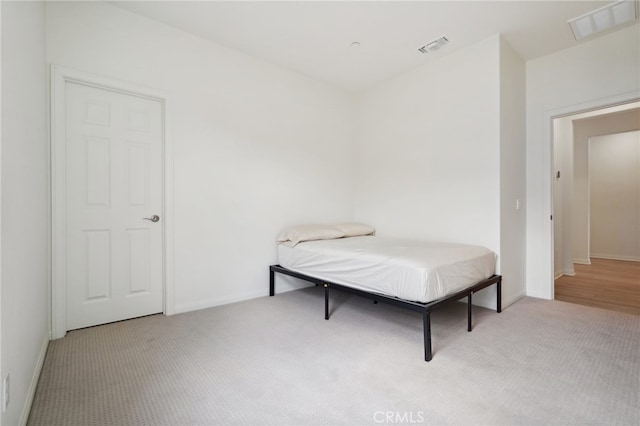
x=153 y=218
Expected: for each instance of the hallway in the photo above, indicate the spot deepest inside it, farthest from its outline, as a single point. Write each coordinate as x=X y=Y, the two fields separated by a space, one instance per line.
x=607 y=284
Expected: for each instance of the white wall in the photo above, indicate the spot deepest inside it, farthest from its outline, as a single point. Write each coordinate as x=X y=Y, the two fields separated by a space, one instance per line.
x=569 y=80
x=614 y=171
x=428 y=151
x=257 y=147
x=512 y=173
x=428 y=163
x=25 y=204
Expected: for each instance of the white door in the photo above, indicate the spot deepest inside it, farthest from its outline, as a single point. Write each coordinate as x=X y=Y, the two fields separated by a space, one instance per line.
x=113 y=182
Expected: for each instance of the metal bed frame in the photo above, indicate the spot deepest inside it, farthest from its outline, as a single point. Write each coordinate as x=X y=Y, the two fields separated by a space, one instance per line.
x=424 y=308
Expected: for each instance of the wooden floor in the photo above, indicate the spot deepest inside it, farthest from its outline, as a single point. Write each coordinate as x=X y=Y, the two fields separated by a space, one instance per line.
x=608 y=284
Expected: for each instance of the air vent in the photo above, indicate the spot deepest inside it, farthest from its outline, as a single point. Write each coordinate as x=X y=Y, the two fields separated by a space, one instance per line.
x=434 y=45
x=612 y=15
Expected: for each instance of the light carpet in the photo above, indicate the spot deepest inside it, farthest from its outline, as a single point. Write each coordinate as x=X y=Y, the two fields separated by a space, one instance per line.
x=277 y=361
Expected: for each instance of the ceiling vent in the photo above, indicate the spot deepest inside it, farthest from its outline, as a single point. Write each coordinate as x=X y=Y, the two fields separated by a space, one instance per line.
x=434 y=45
x=604 y=18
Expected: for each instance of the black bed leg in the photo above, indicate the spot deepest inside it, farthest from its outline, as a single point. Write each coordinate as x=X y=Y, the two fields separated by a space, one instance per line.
x=326 y=301
x=499 y=296
x=272 y=282
x=426 y=319
x=469 y=312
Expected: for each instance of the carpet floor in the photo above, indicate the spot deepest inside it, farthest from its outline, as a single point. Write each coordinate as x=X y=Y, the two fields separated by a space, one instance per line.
x=277 y=361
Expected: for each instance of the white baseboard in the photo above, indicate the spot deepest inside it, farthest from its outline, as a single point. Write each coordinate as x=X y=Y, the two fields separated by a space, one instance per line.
x=283 y=285
x=539 y=295
x=582 y=261
x=615 y=257
x=571 y=273
x=513 y=299
x=210 y=303
x=31 y=392
x=490 y=303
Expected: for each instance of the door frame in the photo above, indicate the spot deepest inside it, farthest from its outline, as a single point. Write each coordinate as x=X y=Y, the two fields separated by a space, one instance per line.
x=60 y=76
x=548 y=237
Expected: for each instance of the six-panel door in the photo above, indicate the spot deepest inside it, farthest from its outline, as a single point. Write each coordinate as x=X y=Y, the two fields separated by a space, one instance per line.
x=113 y=181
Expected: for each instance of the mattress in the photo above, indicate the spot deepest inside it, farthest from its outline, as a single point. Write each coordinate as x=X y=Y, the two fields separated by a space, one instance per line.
x=412 y=270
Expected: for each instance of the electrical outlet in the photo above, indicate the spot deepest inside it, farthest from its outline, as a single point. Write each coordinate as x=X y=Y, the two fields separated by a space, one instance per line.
x=5 y=393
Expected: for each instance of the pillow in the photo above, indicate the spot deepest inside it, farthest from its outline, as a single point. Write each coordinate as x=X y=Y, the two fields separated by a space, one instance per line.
x=352 y=229
x=309 y=232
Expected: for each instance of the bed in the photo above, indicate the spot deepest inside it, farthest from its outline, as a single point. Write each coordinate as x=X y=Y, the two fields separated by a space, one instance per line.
x=416 y=275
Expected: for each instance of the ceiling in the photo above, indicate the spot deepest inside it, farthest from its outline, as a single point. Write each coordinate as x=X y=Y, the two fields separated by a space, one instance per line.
x=314 y=38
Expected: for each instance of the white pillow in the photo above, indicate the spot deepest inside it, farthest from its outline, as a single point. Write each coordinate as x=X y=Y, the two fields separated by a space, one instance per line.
x=352 y=229
x=309 y=232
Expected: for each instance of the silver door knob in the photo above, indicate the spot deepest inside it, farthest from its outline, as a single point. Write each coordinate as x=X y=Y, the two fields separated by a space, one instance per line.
x=153 y=218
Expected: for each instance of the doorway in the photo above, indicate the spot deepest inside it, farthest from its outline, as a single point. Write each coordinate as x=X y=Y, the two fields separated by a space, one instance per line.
x=574 y=257
x=109 y=204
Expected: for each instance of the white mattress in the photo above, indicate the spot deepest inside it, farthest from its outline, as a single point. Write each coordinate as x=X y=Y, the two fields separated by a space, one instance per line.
x=411 y=270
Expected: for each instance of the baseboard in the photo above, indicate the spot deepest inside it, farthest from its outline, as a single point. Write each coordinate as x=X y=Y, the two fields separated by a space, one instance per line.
x=582 y=261
x=490 y=301
x=615 y=257
x=513 y=299
x=540 y=295
x=31 y=392
x=558 y=275
x=283 y=285
x=210 y=303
